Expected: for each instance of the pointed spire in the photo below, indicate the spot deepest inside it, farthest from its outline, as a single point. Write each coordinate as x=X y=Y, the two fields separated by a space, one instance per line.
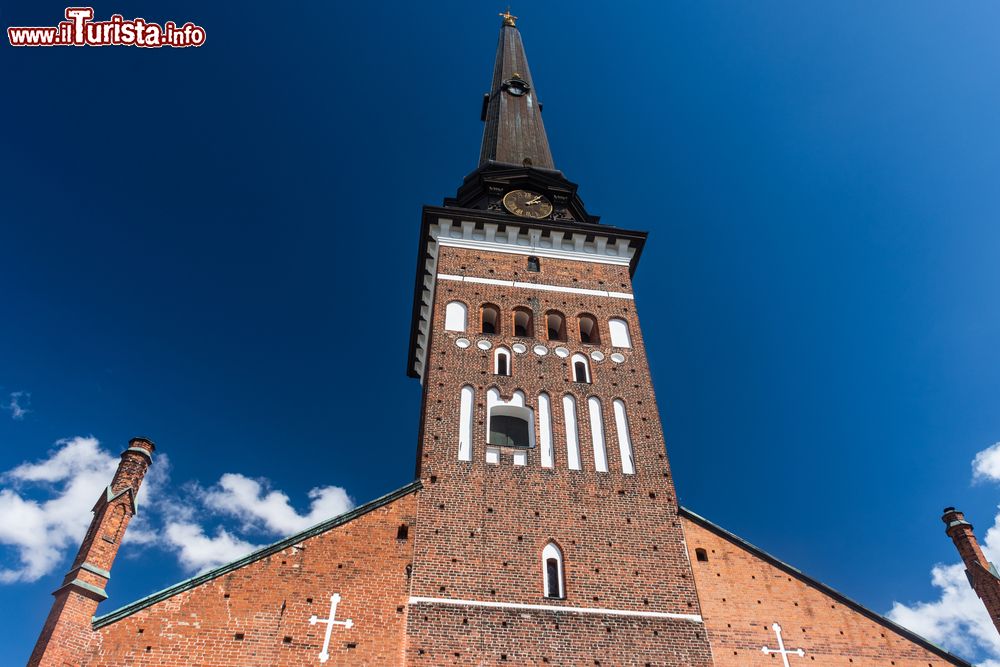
x=514 y=133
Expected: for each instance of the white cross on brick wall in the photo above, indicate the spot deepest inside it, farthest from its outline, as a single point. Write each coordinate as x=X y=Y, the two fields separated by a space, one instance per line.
x=330 y=622
x=781 y=650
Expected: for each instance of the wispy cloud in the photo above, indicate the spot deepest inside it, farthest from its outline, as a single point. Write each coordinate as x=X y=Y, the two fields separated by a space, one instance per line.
x=45 y=511
x=17 y=404
x=986 y=465
x=251 y=501
x=198 y=552
x=957 y=619
x=40 y=530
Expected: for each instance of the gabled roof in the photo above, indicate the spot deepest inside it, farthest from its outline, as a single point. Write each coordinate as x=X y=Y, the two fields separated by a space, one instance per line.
x=109 y=496
x=188 y=584
x=823 y=588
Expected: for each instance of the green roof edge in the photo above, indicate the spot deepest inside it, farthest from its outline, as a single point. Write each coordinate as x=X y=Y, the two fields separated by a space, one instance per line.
x=837 y=595
x=188 y=584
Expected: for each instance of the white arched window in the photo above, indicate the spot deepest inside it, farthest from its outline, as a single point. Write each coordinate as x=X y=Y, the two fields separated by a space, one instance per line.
x=509 y=423
x=545 y=429
x=572 y=441
x=553 y=575
x=455 y=316
x=581 y=369
x=597 y=434
x=624 y=439
x=501 y=361
x=619 y=333
x=465 y=424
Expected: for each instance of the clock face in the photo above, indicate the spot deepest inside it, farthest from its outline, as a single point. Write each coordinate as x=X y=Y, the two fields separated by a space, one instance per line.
x=516 y=86
x=528 y=204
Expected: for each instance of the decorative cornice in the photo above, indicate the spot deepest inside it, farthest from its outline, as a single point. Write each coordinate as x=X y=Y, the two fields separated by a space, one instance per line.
x=110 y=496
x=551 y=253
x=93 y=569
x=485 y=231
x=318 y=529
x=84 y=588
x=536 y=286
x=140 y=450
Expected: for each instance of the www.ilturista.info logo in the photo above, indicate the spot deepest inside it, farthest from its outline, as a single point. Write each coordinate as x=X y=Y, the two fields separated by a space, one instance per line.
x=79 y=29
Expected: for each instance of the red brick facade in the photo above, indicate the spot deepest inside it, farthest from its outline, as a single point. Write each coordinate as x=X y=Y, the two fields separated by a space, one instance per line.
x=482 y=527
x=449 y=569
x=743 y=592
x=505 y=560
x=67 y=630
x=982 y=574
x=258 y=612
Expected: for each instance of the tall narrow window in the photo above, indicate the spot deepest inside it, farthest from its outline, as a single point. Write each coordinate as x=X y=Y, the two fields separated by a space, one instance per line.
x=624 y=439
x=501 y=361
x=545 y=429
x=589 y=333
x=555 y=325
x=522 y=323
x=572 y=441
x=553 y=574
x=455 y=316
x=465 y=424
x=491 y=319
x=597 y=434
x=619 y=333
x=581 y=369
x=534 y=265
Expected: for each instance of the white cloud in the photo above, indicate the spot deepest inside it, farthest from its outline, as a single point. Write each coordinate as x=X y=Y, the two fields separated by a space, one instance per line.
x=198 y=552
x=18 y=404
x=45 y=509
x=40 y=531
x=957 y=619
x=253 y=503
x=986 y=465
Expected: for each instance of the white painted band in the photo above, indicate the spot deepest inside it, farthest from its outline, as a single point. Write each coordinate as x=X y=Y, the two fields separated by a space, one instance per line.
x=695 y=618
x=536 y=286
x=551 y=253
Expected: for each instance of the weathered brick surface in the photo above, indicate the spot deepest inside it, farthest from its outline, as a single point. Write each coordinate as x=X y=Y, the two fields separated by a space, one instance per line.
x=269 y=603
x=481 y=528
x=443 y=635
x=476 y=531
x=67 y=629
x=980 y=571
x=742 y=595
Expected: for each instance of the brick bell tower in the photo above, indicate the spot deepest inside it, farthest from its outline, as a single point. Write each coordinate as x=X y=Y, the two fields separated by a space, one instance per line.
x=547 y=528
x=68 y=628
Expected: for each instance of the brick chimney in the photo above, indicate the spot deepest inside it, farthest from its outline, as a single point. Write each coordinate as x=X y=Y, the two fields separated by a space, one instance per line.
x=68 y=627
x=982 y=574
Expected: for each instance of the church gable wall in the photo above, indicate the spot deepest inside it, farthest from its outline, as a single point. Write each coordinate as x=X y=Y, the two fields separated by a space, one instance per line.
x=259 y=614
x=743 y=595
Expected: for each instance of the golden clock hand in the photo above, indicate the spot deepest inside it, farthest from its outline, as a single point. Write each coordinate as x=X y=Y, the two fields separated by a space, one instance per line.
x=534 y=201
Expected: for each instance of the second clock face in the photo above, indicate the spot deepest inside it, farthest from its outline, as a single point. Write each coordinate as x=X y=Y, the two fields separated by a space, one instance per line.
x=528 y=204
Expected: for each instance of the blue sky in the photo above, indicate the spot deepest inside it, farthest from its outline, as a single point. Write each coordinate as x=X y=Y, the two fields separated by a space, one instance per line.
x=818 y=294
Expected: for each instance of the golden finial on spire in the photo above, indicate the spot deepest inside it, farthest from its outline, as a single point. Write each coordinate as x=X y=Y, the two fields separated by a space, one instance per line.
x=508 y=18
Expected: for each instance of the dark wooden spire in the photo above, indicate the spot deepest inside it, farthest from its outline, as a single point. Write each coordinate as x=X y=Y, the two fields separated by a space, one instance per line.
x=514 y=133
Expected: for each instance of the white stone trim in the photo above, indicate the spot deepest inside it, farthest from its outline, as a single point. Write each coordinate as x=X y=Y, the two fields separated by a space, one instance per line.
x=694 y=618
x=536 y=286
x=580 y=255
